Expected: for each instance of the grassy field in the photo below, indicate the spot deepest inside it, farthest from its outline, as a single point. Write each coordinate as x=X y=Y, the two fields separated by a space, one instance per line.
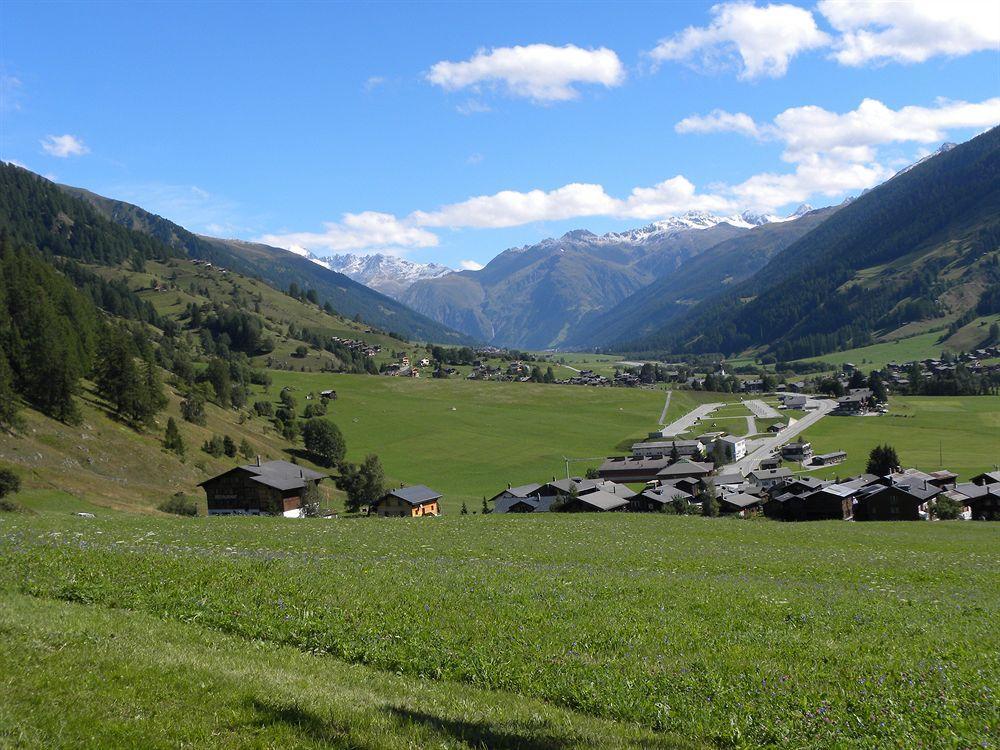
x=468 y=439
x=920 y=346
x=497 y=631
x=929 y=432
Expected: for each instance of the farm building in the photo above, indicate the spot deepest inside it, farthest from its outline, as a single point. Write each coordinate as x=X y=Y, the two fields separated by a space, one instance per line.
x=685 y=468
x=829 y=459
x=408 y=502
x=740 y=503
x=268 y=488
x=988 y=477
x=830 y=502
x=983 y=500
x=799 y=452
x=656 y=498
x=661 y=448
x=768 y=478
x=597 y=501
x=523 y=499
x=621 y=469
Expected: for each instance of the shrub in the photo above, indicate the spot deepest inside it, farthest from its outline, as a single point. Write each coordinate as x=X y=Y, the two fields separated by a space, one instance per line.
x=9 y=482
x=180 y=505
x=947 y=509
x=9 y=506
x=215 y=446
x=264 y=408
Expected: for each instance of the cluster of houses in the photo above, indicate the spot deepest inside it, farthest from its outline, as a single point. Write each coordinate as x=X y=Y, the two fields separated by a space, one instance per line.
x=974 y=361
x=355 y=345
x=280 y=487
x=903 y=495
x=405 y=368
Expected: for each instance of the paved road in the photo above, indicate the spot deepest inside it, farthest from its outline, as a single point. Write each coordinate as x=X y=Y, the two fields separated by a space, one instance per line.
x=762 y=409
x=763 y=448
x=751 y=426
x=666 y=405
x=688 y=420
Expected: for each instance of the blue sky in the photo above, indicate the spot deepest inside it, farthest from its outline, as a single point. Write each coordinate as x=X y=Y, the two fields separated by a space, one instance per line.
x=450 y=132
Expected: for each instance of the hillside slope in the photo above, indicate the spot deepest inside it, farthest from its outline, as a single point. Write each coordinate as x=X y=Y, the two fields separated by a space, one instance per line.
x=277 y=267
x=702 y=277
x=921 y=246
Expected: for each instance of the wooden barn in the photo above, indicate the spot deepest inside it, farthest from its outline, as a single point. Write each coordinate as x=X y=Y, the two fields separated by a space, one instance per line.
x=268 y=488
x=896 y=502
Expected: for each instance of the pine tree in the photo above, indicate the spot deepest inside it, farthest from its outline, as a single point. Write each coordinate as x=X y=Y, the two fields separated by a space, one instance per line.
x=465 y=509
x=172 y=439
x=229 y=446
x=246 y=450
x=9 y=419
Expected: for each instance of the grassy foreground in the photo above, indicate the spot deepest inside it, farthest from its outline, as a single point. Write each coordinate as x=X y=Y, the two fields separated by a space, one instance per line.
x=728 y=633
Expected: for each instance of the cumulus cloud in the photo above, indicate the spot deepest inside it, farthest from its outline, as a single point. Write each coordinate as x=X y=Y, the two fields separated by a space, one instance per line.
x=540 y=72
x=64 y=146
x=470 y=265
x=911 y=32
x=835 y=152
x=758 y=41
x=365 y=231
x=719 y=121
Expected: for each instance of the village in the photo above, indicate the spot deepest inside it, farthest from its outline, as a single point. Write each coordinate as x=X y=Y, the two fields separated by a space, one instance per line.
x=677 y=470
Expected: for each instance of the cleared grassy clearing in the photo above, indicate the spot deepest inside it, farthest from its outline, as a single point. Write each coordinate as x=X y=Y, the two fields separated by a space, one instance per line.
x=929 y=432
x=730 y=633
x=113 y=678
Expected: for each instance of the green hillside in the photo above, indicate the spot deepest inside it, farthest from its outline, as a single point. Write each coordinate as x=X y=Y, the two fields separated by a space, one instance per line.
x=276 y=266
x=921 y=246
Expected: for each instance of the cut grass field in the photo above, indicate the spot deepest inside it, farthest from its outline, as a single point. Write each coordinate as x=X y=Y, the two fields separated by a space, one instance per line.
x=468 y=439
x=503 y=631
x=929 y=432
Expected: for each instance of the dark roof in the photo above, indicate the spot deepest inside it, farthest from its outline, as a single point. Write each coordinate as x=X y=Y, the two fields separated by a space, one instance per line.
x=740 y=499
x=282 y=475
x=603 y=500
x=522 y=492
x=685 y=467
x=415 y=495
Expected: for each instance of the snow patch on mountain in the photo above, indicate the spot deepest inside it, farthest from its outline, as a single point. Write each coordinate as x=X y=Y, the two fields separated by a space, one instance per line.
x=388 y=274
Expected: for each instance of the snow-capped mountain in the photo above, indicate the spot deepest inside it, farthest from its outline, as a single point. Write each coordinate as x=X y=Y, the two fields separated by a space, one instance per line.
x=384 y=273
x=943 y=149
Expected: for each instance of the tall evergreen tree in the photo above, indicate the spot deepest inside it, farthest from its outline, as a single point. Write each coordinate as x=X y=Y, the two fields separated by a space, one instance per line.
x=172 y=439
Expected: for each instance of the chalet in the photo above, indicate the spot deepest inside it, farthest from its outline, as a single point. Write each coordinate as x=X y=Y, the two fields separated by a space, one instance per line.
x=690 y=485
x=988 y=477
x=852 y=405
x=768 y=478
x=895 y=502
x=597 y=501
x=794 y=402
x=656 y=498
x=829 y=459
x=800 y=452
x=740 y=503
x=771 y=462
x=685 y=467
x=268 y=488
x=983 y=500
x=523 y=499
x=734 y=479
x=830 y=502
x=408 y=502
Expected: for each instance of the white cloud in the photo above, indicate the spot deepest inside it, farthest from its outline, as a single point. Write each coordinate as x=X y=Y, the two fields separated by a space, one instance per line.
x=473 y=107
x=373 y=82
x=470 y=265
x=368 y=230
x=10 y=93
x=474 y=159
x=759 y=41
x=190 y=206
x=835 y=152
x=540 y=72
x=911 y=32
x=64 y=146
x=719 y=121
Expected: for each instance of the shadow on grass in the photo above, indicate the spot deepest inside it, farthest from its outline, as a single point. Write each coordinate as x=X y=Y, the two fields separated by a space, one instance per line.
x=304 y=722
x=482 y=734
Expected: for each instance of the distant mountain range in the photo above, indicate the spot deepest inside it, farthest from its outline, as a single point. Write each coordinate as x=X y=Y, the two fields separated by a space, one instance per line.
x=553 y=293
x=384 y=273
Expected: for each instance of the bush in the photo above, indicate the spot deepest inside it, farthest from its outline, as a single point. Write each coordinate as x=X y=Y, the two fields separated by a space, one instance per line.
x=9 y=506
x=9 y=482
x=180 y=505
x=947 y=509
x=264 y=408
x=215 y=446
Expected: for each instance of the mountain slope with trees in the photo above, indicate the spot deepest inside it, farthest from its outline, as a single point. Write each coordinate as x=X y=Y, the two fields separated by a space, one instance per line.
x=277 y=267
x=922 y=246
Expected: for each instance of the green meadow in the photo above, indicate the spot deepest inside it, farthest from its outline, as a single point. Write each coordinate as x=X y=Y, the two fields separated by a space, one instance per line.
x=468 y=439
x=929 y=432
x=498 y=631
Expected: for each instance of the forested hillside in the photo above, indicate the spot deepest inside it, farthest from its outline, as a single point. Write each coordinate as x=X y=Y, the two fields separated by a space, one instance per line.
x=276 y=266
x=923 y=245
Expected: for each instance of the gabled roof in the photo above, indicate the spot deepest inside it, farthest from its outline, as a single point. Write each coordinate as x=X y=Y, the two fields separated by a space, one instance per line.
x=734 y=478
x=523 y=491
x=603 y=500
x=771 y=473
x=666 y=493
x=740 y=499
x=282 y=475
x=415 y=495
x=685 y=467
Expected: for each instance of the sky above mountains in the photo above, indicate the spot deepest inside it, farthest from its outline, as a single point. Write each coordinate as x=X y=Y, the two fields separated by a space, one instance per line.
x=449 y=132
